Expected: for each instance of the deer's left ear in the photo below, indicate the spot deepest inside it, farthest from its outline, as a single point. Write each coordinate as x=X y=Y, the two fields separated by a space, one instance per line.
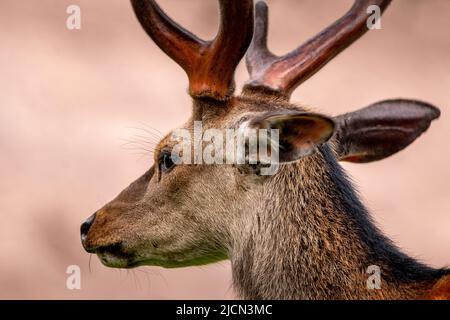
x=299 y=132
x=381 y=129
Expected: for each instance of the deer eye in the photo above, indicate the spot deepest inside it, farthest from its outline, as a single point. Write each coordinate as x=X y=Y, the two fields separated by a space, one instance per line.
x=165 y=161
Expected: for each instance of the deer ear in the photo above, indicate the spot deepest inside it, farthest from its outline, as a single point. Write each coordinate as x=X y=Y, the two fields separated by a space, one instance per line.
x=381 y=129
x=299 y=132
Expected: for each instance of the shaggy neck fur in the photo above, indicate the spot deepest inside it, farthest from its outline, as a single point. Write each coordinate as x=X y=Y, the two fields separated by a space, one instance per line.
x=309 y=237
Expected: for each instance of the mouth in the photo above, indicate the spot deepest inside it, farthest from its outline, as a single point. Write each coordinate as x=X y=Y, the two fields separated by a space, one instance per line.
x=114 y=256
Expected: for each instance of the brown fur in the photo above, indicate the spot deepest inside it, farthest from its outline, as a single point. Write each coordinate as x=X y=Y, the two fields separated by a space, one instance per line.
x=441 y=290
x=294 y=235
x=302 y=233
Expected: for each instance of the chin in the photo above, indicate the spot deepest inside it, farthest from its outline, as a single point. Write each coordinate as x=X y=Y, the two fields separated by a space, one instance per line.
x=126 y=261
x=113 y=261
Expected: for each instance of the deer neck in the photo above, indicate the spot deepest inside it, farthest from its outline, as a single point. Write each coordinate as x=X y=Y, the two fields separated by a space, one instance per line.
x=309 y=237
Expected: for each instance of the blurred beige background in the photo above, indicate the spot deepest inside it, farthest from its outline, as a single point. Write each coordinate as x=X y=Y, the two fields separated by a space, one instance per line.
x=69 y=100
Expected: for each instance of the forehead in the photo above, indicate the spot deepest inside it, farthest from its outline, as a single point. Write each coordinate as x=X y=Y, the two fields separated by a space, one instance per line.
x=230 y=115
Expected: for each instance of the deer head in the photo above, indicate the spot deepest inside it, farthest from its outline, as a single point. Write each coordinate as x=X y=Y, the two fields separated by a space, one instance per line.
x=287 y=225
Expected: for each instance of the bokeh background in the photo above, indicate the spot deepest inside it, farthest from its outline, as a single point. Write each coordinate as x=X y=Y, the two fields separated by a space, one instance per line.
x=70 y=102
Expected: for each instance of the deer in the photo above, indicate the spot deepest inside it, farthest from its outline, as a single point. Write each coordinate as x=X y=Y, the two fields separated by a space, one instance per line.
x=301 y=233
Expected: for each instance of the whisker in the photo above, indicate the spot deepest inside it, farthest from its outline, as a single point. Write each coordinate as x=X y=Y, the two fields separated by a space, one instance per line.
x=136 y=143
x=151 y=134
x=151 y=128
x=146 y=138
x=158 y=135
x=129 y=141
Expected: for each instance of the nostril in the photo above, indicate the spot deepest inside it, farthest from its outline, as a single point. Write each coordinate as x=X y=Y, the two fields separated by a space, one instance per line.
x=85 y=226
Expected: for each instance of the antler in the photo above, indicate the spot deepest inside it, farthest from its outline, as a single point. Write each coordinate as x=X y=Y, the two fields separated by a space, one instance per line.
x=210 y=65
x=281 y=75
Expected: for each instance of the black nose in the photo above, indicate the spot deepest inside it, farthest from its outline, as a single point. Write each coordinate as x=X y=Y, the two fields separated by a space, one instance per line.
x=85 y=226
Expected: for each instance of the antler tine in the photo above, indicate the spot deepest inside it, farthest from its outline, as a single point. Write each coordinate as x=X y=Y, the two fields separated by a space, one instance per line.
x=210 y=65
x=258 y=55
x=281 y=75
